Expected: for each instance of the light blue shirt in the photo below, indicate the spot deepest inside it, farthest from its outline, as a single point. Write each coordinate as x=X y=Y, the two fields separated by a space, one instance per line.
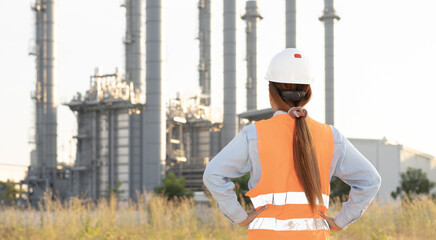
x=240 y=156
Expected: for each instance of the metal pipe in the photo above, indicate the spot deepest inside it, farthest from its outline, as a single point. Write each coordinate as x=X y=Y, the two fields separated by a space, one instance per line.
x=111 y=149
x=131 y=162
x=134 y=42
x=291 y=23
x=142 y=155
x=204 y=67
x=154 y=118
x=229 y=37
x=329 y=19
x=95 y=139
x=251 y=17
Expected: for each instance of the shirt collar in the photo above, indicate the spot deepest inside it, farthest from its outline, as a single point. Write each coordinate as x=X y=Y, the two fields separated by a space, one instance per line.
x=279 y=112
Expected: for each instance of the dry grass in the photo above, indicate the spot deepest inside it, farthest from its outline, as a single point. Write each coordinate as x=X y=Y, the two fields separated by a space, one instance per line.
x=400 y=220
x=152 y=219
x=158 y=219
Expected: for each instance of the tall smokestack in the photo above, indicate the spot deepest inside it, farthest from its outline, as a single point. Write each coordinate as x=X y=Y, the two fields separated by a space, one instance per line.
x=135 y=44
x=329 y=19
x=229 y=37
x=251 y=17
x=46 y=106
x=204 y=67
x=154 y=116
x=51 y=104
x=291 y=25
x=40 y=87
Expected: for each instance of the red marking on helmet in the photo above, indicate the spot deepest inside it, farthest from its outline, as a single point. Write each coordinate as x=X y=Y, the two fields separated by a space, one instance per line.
x=297 y=55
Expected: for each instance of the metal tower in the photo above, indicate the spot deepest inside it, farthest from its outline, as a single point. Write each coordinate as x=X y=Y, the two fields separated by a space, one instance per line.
x=135 y=75
x=46 y=106
x=204 y=67
x=43 y=175
x=154 y=115
x=291 y=15
x=134 y=43
x=229 y=37
x=251 y=17
x=329 y=19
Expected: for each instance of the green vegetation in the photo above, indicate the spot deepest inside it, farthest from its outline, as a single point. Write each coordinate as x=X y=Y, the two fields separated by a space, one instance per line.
x=241 y=188
x=413 y=182
x=173 y=188
x=339 y=190
x=8 y=192
x=114 y=191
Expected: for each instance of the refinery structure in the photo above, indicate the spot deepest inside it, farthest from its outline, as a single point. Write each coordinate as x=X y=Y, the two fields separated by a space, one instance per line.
x=128 y=136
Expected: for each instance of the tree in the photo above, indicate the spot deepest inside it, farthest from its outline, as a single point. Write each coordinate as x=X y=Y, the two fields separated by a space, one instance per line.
x=173 y=187
x=8 y=192
x=114 y=191
x=413 y=182
x=339 y=189
x=241 y=187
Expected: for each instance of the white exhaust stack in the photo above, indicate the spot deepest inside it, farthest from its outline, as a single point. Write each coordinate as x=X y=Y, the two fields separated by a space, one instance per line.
x=135 y=44
x=291 y=23
x=329 y=19
x=154 y=115
x=251 y=17
x=230 y=121
x=204 y=66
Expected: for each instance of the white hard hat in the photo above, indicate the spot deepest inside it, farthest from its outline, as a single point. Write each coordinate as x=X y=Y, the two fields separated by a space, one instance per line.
x=289 y=66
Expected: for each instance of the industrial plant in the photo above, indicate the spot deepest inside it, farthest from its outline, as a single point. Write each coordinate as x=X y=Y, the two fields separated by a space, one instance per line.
x=128 y=135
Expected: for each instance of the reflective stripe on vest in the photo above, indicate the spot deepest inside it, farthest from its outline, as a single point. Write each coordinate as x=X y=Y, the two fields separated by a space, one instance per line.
x=289 y=215
x=284 y=198
x=298 y=224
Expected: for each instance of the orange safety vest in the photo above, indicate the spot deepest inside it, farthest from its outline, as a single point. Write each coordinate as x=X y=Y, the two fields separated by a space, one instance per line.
x=289 y=215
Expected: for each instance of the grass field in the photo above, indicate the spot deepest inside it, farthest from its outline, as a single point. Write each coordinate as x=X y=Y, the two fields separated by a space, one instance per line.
x=158 y=219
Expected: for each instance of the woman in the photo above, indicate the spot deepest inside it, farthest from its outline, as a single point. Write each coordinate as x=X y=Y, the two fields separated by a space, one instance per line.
x=291 y=159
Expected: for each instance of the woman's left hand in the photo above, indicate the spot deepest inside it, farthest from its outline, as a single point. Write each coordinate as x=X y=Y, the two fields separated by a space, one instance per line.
x=331 y=222
x=252 y=215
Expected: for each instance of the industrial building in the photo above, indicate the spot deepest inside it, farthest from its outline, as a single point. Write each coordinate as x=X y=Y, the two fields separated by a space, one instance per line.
x=391 y=159
x=128 y=134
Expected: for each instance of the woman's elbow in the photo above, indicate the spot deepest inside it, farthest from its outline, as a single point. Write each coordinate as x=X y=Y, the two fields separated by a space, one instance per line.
x=206 y=177
x=377 y=181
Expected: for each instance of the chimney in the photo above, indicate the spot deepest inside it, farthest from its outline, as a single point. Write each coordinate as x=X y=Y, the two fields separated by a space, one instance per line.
x=251 y=17
x=329 y=17
x=46 y=106
x=204 y=67
x=230 y=121
x=135 y=45
x=291 y=25
x=154 y=115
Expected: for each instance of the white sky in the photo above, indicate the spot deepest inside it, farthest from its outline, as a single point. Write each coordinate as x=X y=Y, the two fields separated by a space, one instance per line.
x=385 y=59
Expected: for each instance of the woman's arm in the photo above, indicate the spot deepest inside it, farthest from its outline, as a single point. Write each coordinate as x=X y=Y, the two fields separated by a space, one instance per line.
x=231 y=162
x=355 y=170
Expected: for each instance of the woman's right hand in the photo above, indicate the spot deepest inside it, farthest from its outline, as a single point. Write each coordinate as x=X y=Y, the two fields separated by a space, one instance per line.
x=331 y=222
x=252 y=215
